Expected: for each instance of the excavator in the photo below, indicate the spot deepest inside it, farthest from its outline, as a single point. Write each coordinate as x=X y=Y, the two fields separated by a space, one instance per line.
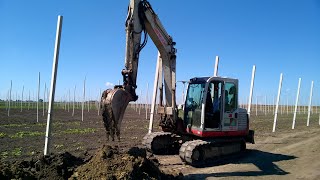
x=209 y=126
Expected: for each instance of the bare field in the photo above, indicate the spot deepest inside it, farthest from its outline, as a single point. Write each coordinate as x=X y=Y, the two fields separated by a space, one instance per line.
x=285 y=154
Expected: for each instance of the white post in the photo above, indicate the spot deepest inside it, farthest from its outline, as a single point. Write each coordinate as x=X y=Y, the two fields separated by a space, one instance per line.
x=22 y=98
x=9 y=98
x=69 y=101
x=296 y=105
x=277 y=105
x=310 y=102
x=273 y=105
x=47 y=99
x=215 y=73
x=29 y=101
x=147 y=101
x=44 y=98
x=140 y=102
x=84 y=96
x=251 y=88
x=265 y=105
x=53 y=84
x=256 y=105
x=74 y=99
x=38 y=97
x=154 y=95
x=88 y=103
x=99 y=101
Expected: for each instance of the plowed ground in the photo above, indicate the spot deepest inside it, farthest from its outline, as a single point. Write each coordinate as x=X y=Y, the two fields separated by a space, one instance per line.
x=80 y=150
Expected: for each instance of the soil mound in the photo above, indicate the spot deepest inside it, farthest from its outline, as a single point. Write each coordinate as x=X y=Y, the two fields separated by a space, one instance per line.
x=109 y=163
x=59 y=166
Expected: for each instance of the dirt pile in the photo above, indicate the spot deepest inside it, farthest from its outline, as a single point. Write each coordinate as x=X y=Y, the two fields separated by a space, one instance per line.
x=60 y=166
x=109 y=163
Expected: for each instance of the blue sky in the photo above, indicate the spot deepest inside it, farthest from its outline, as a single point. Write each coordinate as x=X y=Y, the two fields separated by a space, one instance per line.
x=276 y=36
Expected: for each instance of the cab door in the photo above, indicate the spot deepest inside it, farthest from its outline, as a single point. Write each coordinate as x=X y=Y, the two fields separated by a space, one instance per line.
x=230 y=105
x=213 y=106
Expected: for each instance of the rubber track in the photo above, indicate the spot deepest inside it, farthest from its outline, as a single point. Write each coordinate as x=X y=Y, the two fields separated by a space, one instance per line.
x=188 y=149
x=183 y=148
x=149 y=139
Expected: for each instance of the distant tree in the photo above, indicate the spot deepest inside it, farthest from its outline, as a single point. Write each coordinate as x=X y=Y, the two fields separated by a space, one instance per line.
x=40 y=100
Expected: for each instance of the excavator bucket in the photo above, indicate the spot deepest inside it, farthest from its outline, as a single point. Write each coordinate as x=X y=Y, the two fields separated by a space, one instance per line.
x=113 y=105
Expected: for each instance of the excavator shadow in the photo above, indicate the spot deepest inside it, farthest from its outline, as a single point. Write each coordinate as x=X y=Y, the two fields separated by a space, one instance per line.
x=264 y=161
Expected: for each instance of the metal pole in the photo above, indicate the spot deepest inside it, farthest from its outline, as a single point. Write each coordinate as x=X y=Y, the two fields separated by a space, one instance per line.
x=265 y=105
x=9 y=98
x=44 y=98
x=74 y=99
x=22 y=98
x=140 y=102
x=287 y=105
x=251 y=88
x=29 y=101
x=38 y=98
x=215 y=73
x=277 y=105
x=310 y=102
x=154 y=95
x=256 y=105
x=69 y=101
x=53 y=84
x=99 y=101
x=296 y=105
x=84 y=96
x=147 y=101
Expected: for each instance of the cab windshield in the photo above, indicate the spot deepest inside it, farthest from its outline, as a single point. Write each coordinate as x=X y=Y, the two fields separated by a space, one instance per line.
x=193 y=104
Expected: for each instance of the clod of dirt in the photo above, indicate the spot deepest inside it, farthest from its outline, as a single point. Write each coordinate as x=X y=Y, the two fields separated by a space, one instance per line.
x=60 y=166
x=110 y=163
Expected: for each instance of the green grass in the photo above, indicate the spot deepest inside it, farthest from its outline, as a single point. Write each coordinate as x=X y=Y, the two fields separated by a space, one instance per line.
x=13 y=125
x=2 y=134
x=41 y=124
x=4 y=154
x=79 y=131
x=16 y=151
x=23 y=134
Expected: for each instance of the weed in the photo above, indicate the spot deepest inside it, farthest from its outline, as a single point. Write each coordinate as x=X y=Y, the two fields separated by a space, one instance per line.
x=79 y=131
x=13 y=125
x=16 y=151
x=2 y=134
x=4 y=154
x=22 y=134
x=58 y=146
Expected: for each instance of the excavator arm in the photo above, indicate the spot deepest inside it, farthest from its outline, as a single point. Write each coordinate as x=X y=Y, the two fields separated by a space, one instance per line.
x=143 y=21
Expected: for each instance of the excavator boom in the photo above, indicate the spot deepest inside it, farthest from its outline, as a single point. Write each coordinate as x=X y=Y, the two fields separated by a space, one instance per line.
x=141 y=21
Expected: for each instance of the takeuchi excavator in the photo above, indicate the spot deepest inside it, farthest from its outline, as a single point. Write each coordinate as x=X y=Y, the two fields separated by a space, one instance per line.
x=209 y=126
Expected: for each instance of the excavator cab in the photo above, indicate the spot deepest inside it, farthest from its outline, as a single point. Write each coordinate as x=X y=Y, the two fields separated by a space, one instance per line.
x=211 y=108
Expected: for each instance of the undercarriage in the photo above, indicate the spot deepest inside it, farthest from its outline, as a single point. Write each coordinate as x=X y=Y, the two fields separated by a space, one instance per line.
x=192 y=150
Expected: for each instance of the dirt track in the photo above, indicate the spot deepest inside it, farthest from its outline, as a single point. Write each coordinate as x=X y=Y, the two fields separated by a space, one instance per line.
x=289 y=155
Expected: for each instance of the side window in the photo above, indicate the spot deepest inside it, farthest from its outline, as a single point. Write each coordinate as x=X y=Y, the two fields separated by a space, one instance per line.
x=230 y=97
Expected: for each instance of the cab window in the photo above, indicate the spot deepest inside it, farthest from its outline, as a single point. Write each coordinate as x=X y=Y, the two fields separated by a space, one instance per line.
x=230 y=97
